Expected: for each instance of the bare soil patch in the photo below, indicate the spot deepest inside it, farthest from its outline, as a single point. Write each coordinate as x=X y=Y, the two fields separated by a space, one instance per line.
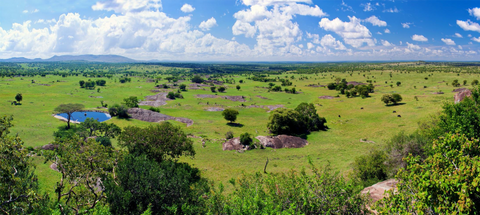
x=459 y=90
x=199 y=85
x=282 y=141
x=231 y=98
x=262 y=97
x=327 y=97
x=437 y=93
x=152 y=116
x=269 y=107
x=155 y=100
x=354 y=83
x=315 y=85
x=215 y=109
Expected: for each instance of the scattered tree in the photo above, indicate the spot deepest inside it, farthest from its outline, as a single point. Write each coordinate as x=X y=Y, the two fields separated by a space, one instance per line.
x=475 y=82
x=19 y=97
x=131 y=102
x=68 y=109
x=246 y=139
x=238 y=87
x=197 y=79
x=230 y=115
x=213 y=89
x=183 y=87
x=221 y=89
x=118 y=110
x=391 y=98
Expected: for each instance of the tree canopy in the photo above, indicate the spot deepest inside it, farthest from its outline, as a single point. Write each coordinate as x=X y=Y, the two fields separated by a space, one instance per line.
x=230 y=114
x=68 y=109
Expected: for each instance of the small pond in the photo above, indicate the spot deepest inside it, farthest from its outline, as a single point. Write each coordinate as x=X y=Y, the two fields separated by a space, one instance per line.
x=82 y=116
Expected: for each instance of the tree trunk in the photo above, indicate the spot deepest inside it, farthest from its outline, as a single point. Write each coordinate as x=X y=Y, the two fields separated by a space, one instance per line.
x=68 y=121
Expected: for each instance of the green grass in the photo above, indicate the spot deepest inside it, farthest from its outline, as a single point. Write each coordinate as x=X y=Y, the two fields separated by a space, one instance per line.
x=339 y=146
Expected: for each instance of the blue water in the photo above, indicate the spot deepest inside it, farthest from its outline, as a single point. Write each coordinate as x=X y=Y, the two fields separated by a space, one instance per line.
x=82 y=116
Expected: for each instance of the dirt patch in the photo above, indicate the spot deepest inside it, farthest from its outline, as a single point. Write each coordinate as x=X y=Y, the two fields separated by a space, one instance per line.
x=96 y=97
x=156 y=100
x=327 y=97
x=437 y=93
x=282 y=141
x=459 y=90
x=262 y=97
x=231 y=98
x=215 y=109
x=152 y=116
x=354 y=83
x=315 y=85
x=377 y=191
x=214 y=82
x=199 y=85
x=269 y=107
x=44 y=85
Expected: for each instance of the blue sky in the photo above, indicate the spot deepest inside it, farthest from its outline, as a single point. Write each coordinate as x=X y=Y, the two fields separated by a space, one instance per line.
x=243 y=30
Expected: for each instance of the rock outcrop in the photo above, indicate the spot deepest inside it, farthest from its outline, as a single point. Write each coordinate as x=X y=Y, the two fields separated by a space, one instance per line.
x=282 y=141
x=461 y=95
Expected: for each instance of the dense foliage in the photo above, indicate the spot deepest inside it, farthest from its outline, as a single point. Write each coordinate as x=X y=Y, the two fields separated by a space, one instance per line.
x=230 y=115
x=302 y=120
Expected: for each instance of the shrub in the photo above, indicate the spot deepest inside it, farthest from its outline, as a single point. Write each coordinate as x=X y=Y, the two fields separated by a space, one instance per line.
x=238 y=87
x=213 y=89
x=171 y=95
x=230 y=114
x=104 y=141
x=370 y=168
x=131 y=101
x=183 y=87
x=276 y=88
x=154 y=109
x=229 y=135
x=197 y=79
x=246 y=139
x=118 y=110
x=221 y=89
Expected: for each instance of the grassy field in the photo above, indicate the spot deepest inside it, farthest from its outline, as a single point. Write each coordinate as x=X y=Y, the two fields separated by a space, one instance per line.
x=339 y=146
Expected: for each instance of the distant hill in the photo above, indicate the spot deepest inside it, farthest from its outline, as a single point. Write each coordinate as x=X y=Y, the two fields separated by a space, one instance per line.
x=76 y=58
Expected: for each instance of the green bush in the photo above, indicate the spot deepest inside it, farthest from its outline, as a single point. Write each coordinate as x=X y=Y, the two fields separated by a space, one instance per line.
x=246 y=139
x=370 y=169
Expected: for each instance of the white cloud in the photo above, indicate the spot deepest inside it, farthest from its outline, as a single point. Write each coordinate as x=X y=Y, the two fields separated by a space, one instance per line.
x=207 y=25
x=469 y=35
x=310 y=46
x=35 y=11
x=449 y=42
x=386 y=43
x=391 y=10
x=353 y=32
x=475 y=12
x=186 y=8
x=346 y=7
x=379 y=33
x=32 y=11
x=125 y=6
x=329 y=41
x=406 y=24
x=468 y=25
x=412 y=46
x=368 y=7
x=376 y=21
x=476 y=39
x=272 y=26
x=458 y=35
x=25 y=11
x=387 y=31
x=419 y=38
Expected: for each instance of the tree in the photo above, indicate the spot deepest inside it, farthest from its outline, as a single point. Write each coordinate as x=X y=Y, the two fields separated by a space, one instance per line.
x=93 y=127
x=19 y=97
x=455 y=83
x=398 y=83
x=171 y=95
x=82 y=164
x=391 y=98
x=446 y=182
x=221 y=89
x=285 y=121
x=238 y=87
x=213 y=88
x=82 y=83
x=308 y=114
x=475 y=82
x=167 y=187
x=183 y=87
x=246 y=139
x=68 y=109
x=396 y=98
x=118 y=110
x=159 y=142
x=131 y=101
x=464 y=82
x=230 y=115
x=18 y=183
x=197 y=79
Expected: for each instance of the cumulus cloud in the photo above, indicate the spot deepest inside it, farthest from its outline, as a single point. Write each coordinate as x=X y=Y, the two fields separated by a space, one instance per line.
x=406 y=24
x=32 y=11
x=125 y=6
x=468 y=25
x=449 y=42
x=419 y=38
x=352 y=32
x=329 y=41
x=475 y=12
x=412 y=46
x=186 y=8
x=476 y=39
x=386 y=43
x=273 y=26
x=458 y=35
x=208 y=24
x=376 y=21
x=387 y=31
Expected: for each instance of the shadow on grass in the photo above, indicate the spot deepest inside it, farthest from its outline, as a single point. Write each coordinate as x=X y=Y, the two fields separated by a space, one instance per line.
x=233 y=124
x=398 y=104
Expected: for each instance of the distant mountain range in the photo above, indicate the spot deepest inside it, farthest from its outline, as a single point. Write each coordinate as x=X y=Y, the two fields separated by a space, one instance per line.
x=74 y=58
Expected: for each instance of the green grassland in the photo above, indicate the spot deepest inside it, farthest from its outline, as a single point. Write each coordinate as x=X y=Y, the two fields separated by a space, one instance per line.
x=339 y=146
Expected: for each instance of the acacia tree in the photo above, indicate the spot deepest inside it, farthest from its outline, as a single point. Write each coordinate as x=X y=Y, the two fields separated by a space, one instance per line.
x=230 y=115
x=68 y=109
